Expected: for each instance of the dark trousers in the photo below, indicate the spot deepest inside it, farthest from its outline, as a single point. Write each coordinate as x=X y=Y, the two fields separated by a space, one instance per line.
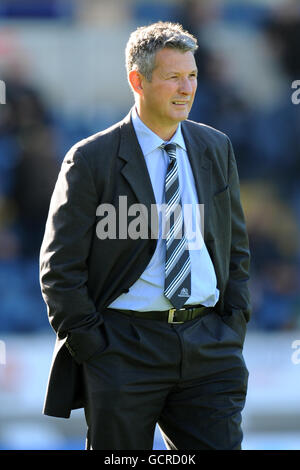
x=189 y=378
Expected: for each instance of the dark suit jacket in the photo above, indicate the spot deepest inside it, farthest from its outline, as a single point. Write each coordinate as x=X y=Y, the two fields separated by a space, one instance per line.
x=81 y=274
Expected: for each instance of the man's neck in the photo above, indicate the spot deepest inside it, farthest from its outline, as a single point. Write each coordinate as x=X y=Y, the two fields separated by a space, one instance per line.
x=165 y=133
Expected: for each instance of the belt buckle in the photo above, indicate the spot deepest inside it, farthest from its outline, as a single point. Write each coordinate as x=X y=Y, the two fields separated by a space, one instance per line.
x=171 y=316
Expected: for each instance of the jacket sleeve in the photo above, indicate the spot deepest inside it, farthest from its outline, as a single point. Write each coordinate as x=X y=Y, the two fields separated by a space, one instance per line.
x=63 y=258
x=237 y=295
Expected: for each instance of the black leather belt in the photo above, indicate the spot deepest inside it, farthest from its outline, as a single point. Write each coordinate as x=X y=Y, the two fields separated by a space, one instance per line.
x=171 y=316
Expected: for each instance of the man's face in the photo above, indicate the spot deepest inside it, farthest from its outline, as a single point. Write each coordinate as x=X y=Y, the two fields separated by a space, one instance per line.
x=168 y=98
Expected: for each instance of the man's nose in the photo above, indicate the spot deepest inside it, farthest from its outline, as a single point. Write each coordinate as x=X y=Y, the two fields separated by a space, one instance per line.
x=185 y=86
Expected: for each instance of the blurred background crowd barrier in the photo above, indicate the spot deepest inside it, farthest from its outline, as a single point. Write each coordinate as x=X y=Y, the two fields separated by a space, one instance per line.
x=63 y=66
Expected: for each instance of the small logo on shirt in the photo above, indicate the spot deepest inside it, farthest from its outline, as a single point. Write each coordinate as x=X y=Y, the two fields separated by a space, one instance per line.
x=184 y=292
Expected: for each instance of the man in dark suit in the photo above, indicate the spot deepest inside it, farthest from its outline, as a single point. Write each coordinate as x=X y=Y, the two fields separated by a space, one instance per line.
x=150 y=325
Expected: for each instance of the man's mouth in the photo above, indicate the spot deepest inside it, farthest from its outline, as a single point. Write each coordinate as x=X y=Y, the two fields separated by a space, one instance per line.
x=180 y=103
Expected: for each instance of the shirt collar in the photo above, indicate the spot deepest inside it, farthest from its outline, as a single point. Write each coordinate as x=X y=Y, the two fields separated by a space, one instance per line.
x=150 y=141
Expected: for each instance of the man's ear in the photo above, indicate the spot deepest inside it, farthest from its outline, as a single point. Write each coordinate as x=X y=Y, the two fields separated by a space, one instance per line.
x=135 y=80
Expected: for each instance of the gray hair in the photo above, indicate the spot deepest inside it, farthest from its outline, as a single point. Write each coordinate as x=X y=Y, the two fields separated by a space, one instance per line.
x=146 y=41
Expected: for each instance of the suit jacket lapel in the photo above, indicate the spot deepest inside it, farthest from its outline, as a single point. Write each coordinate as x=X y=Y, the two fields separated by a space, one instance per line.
x=135 y=170
x=136 y=173
x=201 y=166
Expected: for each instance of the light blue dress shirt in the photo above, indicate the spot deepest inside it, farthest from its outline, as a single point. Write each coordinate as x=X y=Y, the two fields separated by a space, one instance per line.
x=147 y=293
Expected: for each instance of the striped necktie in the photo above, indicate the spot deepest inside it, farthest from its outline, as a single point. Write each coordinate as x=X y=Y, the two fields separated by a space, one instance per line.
x=178 y=267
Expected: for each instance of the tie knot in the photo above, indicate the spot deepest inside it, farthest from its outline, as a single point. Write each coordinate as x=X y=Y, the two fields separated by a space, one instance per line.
x=170 y=149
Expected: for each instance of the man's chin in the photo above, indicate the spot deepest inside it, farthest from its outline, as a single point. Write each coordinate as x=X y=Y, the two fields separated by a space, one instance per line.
x=180 y=114
x=180 y=117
